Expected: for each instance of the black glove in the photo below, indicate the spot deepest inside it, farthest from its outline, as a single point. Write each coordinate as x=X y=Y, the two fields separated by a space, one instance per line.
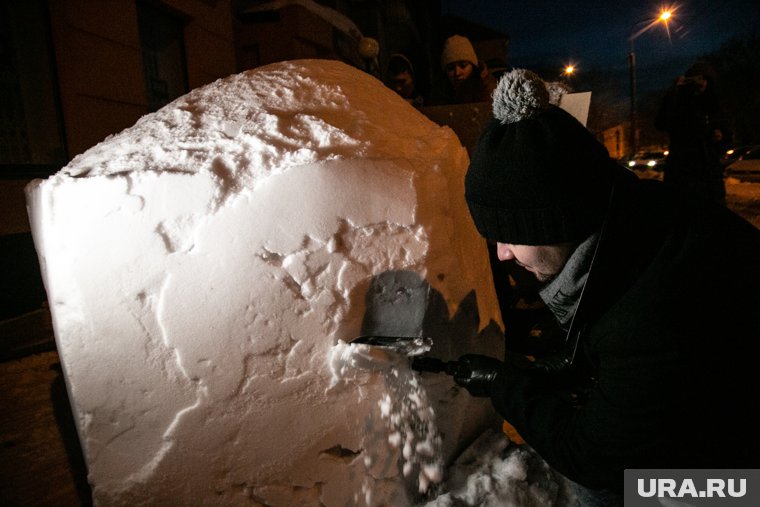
x=554 y=363
x=476 y=373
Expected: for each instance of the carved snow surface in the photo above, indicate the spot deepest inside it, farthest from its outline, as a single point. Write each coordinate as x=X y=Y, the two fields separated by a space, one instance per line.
x=207 y=267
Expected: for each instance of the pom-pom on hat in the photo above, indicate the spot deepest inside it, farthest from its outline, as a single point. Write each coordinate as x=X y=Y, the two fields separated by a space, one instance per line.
x=519 y=95
x=458 y=49
x=536 y=176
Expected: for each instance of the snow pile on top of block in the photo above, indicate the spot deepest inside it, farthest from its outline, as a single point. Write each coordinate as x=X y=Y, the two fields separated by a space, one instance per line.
x=206 y=267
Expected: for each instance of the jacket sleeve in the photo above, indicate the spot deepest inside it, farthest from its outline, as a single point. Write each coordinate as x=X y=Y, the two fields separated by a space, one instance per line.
x=619 y=423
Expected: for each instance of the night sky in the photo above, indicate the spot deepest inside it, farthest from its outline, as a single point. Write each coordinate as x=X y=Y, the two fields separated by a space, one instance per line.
x=594 y=34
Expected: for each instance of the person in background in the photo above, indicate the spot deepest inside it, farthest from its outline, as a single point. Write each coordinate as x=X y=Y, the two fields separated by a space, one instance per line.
x=466 y=81
x=399 y=76
x=691 y=115
x=656 y=292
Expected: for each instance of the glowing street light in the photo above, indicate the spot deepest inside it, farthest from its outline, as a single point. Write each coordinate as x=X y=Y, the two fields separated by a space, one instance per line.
x=568 y=73
x=664 y=16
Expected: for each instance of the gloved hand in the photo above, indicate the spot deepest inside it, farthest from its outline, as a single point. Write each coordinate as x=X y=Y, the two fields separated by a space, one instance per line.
x=553 y=363
x=476 y=373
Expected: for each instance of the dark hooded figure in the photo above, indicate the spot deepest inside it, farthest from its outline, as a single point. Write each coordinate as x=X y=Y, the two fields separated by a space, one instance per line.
x=691 y=115
x=656 y=290
x=399 y=76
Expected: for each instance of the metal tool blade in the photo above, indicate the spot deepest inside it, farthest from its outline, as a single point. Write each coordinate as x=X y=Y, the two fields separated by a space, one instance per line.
x=405 y=345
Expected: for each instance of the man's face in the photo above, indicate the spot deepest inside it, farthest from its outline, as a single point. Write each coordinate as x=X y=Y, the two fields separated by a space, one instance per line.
x=545 y=262
x=458 y=72
x=403 y=84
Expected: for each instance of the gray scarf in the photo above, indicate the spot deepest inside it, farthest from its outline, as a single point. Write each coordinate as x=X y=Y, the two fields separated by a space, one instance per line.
x=562 y=294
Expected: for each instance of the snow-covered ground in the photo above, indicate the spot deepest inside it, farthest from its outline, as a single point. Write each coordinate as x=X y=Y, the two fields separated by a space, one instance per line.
x=496 y=472
x=744 y=199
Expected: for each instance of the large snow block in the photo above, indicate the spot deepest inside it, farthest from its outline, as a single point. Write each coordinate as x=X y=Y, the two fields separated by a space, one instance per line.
x=206 y=267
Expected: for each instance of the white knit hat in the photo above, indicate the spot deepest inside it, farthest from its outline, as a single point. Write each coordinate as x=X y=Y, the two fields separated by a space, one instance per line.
x=458 y=49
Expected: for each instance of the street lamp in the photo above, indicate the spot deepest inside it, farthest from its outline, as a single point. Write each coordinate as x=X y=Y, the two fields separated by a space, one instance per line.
x=567 y=74
x=664 y=17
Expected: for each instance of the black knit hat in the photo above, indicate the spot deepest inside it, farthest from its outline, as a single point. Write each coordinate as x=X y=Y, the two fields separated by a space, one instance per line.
x=537 y=176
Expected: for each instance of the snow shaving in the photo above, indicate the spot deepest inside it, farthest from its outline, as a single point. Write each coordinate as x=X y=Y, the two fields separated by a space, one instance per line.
x=406 y=416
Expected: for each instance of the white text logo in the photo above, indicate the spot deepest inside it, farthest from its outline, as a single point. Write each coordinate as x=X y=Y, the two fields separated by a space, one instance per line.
x=713 y=488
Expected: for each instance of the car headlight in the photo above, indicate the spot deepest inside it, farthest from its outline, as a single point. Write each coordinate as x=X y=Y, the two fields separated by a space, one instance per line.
x=652 y=163
x=631 y=163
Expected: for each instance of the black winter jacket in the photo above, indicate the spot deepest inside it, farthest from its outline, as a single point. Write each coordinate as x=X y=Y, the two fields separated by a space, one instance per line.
x=668 y=348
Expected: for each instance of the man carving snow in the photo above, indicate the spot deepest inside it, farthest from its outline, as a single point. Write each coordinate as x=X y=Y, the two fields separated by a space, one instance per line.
x=659 y=296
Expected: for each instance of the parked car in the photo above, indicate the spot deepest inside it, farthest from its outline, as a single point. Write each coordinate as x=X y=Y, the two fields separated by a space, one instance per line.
x=733 y=154
x=648 y=160
x=747 y=166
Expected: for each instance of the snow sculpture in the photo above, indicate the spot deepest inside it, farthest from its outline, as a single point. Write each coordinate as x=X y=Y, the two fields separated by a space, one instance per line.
x=206 y=267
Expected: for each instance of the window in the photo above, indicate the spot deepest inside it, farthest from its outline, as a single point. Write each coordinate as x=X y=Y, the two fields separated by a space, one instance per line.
x=31 y=127
x=163 y=51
